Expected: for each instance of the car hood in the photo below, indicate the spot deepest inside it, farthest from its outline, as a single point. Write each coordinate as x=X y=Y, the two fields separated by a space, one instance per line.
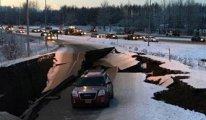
x=89 y=88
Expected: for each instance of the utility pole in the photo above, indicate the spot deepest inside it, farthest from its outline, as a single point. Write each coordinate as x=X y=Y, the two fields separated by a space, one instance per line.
x=150 y=17
x=45 y=38
x=27 y=20
x=164 y=16
x=45 y=19
x=1 y=24
x=149 y=23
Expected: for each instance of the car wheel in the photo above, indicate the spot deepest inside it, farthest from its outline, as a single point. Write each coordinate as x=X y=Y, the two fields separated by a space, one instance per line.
x=107 y=104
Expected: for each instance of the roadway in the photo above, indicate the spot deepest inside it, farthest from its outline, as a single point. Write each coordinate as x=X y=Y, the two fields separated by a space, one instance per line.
x=180 y=40
x=132 y=100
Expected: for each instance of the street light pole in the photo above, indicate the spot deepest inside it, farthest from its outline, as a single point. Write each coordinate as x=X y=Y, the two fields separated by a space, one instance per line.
x=150 y=17
x=1 y=24
x=149 y=23
x=45 y=19
x=45 y=38
x=27 y=20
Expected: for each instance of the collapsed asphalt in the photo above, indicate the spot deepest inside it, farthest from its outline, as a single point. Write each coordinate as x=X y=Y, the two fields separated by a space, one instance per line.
x=179 y=93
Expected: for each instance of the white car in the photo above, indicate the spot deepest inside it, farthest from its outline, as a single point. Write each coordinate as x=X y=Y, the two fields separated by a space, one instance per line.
x=150 y=39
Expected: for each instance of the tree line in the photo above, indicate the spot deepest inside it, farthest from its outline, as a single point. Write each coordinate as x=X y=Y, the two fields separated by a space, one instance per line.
x=185 y=16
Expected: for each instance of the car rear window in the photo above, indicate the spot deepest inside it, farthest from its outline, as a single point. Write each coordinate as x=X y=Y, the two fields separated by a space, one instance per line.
x=91 y=81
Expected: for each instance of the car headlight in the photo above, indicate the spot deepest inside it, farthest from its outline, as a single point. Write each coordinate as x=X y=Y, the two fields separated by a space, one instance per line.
x=202 y=40
x=133 y=38
x=74 y=93
x=101 y=93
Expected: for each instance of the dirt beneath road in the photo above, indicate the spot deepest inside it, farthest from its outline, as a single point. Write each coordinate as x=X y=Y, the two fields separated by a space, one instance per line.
x=183 y=95
x=152 y=66
x=179 y=93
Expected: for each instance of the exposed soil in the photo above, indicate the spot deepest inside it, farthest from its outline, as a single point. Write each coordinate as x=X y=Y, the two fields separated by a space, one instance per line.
x=152 y=66
x=183 y=95
x=179 y=93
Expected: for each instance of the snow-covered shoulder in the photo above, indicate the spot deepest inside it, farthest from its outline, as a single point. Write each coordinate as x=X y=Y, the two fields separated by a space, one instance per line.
x=170 y=64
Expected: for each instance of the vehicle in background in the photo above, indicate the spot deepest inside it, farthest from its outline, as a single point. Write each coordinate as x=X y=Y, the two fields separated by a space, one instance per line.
x=150 y=39
x=96 y=35
x=37 y=30
x=173 y=33
x=9 y=28
x=198 y=39
x=20 y=31
x=93 y=29
x=72 y=30
x=111 y=36
x=21 y=27
x=49 y=36
x=134 y=37
x=1 y=27
x=92 y=88
x=55 y=31
x=48 y=28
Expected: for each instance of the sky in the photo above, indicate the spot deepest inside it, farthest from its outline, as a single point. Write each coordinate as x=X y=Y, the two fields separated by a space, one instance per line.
x=55 y=4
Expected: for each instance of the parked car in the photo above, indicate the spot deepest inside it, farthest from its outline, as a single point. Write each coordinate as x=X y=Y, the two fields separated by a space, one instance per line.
x=150 y=39
x=198 y=39
x=94 y=88
x=111 y=36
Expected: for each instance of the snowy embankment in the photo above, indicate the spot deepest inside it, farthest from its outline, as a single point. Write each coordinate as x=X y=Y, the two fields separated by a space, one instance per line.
x=140 y=106
x=185 y=57
x=14 y=49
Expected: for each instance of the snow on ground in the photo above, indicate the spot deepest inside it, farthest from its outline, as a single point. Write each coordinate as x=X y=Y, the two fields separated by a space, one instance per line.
x=174 y=38
x=192 y=51
x=197 y=79
x=188 y=54
x=170 y=64
x=140 y=106
x=37 y=49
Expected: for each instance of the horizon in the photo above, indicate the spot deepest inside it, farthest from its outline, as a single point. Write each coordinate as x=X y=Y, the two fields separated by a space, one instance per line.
x=87 y=3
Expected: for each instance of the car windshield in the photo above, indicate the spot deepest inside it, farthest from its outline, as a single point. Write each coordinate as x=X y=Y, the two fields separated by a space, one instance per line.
x=91 y=81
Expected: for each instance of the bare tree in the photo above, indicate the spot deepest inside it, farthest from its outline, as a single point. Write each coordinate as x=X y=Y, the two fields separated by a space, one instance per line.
x=104 y=14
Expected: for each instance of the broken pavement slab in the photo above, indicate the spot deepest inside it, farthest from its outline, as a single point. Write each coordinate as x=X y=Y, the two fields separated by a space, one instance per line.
x=122 y=61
